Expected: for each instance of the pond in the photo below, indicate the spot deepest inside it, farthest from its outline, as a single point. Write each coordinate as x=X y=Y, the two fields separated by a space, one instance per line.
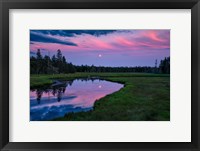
x=70 y=96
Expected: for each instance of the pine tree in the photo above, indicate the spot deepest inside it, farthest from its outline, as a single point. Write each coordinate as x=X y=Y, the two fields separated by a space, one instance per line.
x=39 y=61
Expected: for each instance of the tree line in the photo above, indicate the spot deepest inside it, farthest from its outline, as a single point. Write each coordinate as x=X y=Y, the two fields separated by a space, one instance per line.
x=46 y=65
x=58 y=64
x=86 y=68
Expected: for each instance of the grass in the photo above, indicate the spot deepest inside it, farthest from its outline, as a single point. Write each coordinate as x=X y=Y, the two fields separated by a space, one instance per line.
x=145 y=97
x=44 y=79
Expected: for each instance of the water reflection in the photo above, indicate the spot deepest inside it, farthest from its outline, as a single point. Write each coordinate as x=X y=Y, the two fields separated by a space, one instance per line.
x=70 y=96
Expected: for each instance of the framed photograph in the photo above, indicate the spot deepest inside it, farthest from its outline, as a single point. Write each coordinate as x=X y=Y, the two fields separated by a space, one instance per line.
x=82 y=75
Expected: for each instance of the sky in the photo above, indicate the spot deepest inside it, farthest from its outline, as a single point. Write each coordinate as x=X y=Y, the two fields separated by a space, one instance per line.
x=104 y=47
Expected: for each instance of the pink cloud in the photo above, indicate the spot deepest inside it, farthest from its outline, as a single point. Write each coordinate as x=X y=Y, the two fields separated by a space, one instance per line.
x=133 y=40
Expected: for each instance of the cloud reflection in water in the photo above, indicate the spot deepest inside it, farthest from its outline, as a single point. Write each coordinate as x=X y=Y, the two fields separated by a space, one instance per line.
x=79 y=95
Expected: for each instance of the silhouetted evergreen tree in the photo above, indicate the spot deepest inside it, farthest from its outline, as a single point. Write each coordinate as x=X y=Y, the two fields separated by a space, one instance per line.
x=39 y=61
x=164 y=66
x=47 y=65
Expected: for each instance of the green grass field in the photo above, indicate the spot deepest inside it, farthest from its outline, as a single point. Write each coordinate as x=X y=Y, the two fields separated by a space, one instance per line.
x=145 y=97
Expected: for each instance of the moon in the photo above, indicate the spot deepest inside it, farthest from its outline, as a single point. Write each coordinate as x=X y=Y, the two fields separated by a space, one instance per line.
x=100 y=55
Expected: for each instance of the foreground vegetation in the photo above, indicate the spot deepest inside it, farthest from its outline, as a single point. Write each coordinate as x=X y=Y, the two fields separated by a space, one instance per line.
x=145 y=97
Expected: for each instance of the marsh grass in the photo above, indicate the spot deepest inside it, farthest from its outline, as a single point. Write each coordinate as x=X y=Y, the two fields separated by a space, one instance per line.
x=145 y=97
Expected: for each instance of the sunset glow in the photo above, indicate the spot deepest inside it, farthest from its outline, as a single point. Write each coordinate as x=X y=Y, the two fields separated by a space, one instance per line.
x=114 y=47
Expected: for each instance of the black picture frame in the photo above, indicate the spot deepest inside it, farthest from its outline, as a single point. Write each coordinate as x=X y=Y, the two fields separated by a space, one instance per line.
x=5 y=5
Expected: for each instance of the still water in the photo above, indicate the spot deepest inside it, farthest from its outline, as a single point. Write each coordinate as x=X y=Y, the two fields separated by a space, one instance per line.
x=72 y=96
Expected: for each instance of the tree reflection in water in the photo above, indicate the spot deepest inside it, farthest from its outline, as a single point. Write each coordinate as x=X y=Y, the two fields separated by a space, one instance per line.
x=63 y=97
x=58 y=90
x=39 y=95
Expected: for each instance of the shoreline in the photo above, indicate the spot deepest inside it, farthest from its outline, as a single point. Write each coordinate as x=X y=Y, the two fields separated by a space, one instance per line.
x=144 y=97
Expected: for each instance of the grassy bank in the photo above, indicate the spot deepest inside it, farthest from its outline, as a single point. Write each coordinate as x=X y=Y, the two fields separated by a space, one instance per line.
x=142 y=98
x=145 y=97
x=43 y=79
